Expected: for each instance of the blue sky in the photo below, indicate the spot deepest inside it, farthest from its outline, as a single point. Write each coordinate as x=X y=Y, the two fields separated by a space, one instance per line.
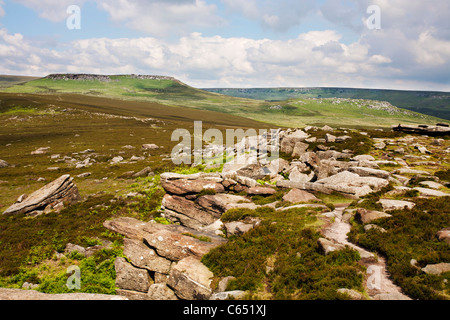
x=234 y=43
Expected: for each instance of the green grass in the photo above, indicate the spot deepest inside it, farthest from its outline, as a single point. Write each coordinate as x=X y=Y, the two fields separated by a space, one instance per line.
x=294 y=113
x=431 y=103
x=411 y=234
x=280 y=258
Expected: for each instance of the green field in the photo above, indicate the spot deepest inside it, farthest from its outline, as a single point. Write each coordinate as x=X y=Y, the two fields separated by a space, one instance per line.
x=431 y=103
x=289 y=113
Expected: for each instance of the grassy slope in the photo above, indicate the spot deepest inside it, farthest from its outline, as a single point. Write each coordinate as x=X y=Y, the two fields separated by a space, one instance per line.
x=172 y=93
x=431 y=103
x=9 y=81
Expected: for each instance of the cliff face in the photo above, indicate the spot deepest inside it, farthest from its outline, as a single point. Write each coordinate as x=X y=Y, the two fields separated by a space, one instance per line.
x=103 y=78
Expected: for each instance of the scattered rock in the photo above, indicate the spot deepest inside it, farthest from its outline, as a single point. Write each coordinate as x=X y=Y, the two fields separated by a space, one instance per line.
x=374 y=227
x=228 y=295
x=431 y=184
x=296 y=195
x=146 y=172
x=160 y=291
x=329 y=246
x=183 y=186
x=149 y=146
x=437 y=269
x=380 y=145
x=191 y=280
x=367 y=216
x=329 y=138
x=265 y=191
x=354 y=295
x=396 y=204
x=116 y=160
x=62 y=190
x=18 y=294
x=4 y=164
x=444 y=235
x=431 y=193
x=131 y=278
x=42 y=150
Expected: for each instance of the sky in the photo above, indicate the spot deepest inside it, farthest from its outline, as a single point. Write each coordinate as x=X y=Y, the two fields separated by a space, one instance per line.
x=385 y=44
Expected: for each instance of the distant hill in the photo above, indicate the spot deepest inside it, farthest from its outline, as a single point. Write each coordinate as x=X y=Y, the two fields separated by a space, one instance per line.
x=432 y=103
x=299 y=112
x=9 y=81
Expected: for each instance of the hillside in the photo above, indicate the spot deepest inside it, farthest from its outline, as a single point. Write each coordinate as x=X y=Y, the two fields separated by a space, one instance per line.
x=9 y=81
x=171 y=92
x=431 y=103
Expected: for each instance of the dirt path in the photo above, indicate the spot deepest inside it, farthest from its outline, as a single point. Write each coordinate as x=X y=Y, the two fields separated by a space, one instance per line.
x=377 y=283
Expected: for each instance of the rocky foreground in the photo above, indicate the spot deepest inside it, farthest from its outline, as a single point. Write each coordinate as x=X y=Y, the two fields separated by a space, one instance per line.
x=164 y=260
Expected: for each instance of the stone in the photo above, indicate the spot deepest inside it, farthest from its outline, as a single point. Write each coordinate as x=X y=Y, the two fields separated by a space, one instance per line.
x=150 y=146
x=252 y=171
x=4 y=164
x=74 y=248
x=396 y=204
x=84 y=175
x=288 y=142
x=228 y=295
x=223 y=283
x=425 y=192
x=363 y=157
x=311 y=159
x=431 y=184
x=332 y=154
x=329 y=246
x=299 y=149
x=327 y=128
x=187 y=212
x=392 y=296
x=342 y=138
x=437 y=269
x=160 y=291
x=296 y=195
x=276 y=166
x=116 y=160
x=380 y=145
x=411 y=171
x=61 y=190
x=131 y=278
x=329 y=138
x=444 y=235
x=374 y=227
x=141 y=256
x=238 y=228
x=367 y=216
x=191 y=280
x=132 y=295
x=265 y=191
x=369 y=172
x=42 y=150
x=296 y=175
x=354 y=295
x=23 y=295
x=221 y=203
x=184 y=186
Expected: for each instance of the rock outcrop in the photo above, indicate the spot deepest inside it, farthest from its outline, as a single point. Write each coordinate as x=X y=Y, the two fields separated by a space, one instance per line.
x=53 y=196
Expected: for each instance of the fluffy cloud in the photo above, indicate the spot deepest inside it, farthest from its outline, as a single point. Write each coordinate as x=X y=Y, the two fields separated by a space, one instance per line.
x=316 y=58
x=162 y=17
x=53 y=10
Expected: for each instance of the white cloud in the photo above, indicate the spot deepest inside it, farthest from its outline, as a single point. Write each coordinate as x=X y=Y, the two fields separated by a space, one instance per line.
x=161 y=18
x=316 y=58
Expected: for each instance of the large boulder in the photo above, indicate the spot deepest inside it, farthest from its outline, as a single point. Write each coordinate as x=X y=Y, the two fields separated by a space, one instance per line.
x=160 y=291
x=129 y=277
x=191 y=280
x=288 y=142
x=187 y=212
x=296 y=195
x=444 y=235
x=184 y=186
x=367 y=216
x=142 y=256
x=220 y=203
x=437 y=269
x=388 y=204
x=53 y=195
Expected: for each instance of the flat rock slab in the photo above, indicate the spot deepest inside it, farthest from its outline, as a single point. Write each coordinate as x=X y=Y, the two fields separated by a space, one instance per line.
x=184 y=186
x=431 y=193
x=297 y=195
x=62 y=189
x=18 y=294
x=173 y=242
x=367 y=216
x=437 y=268
x=396 y=204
